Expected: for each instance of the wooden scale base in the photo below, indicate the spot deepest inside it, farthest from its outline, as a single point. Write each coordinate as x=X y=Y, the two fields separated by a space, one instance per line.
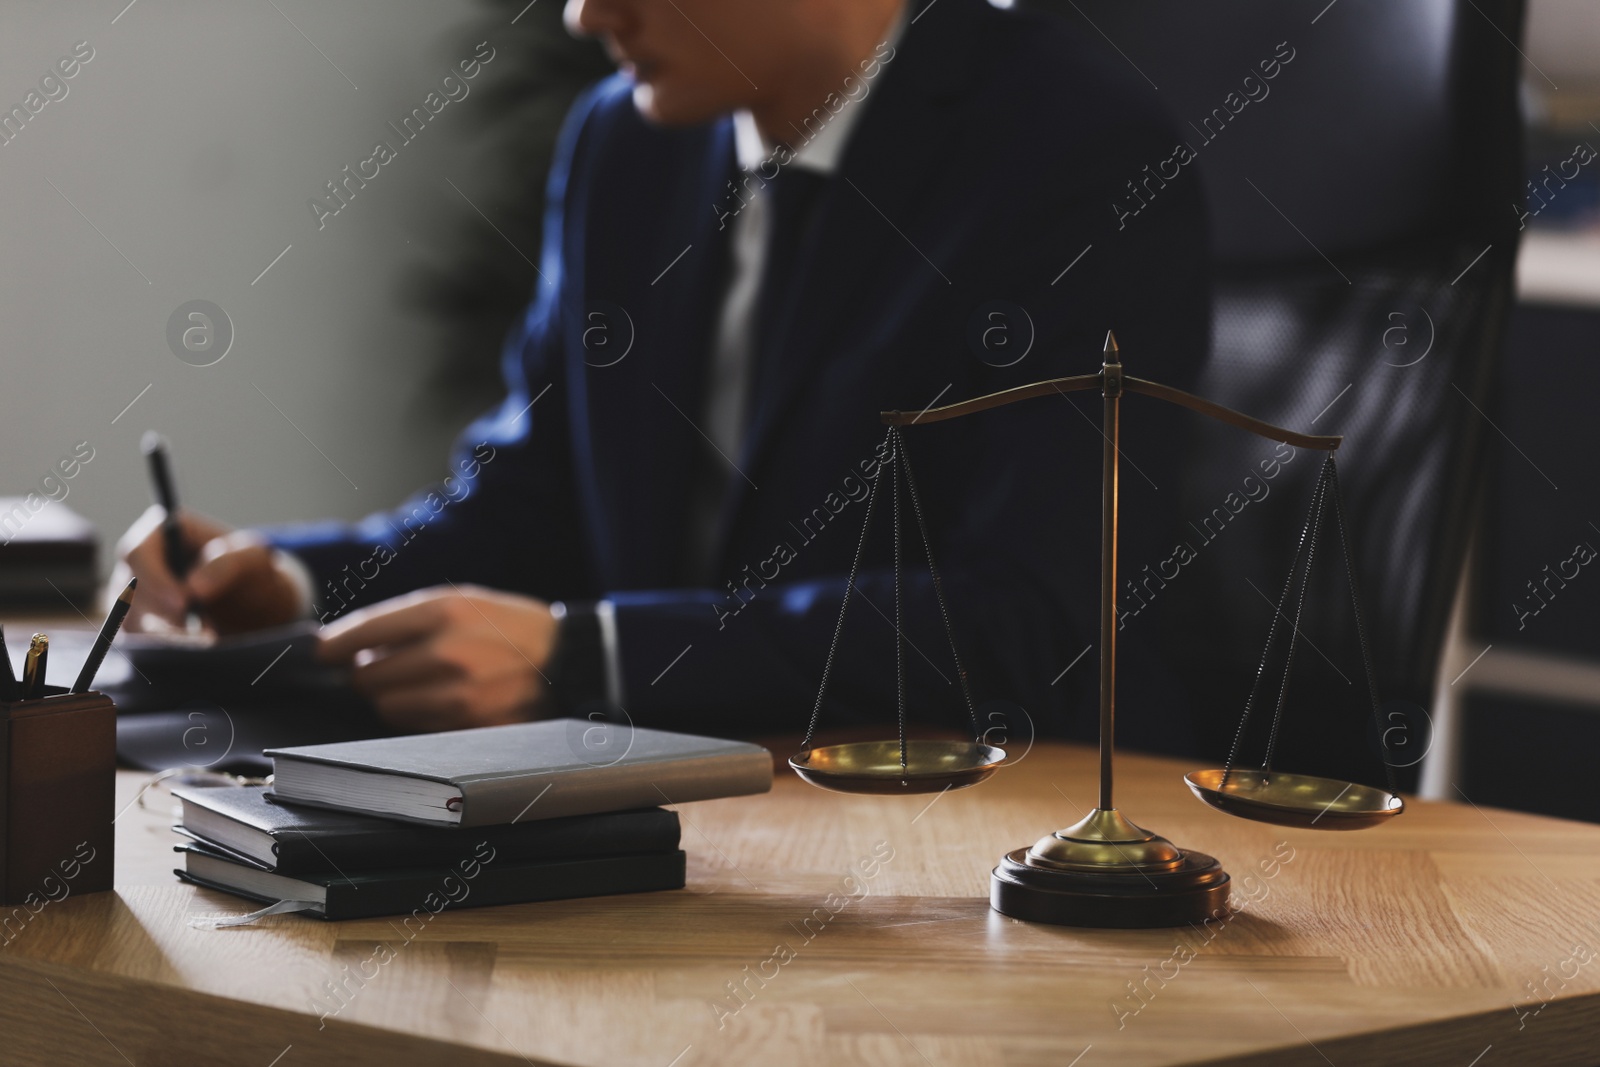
x=1105 y=871
x=1195 y=890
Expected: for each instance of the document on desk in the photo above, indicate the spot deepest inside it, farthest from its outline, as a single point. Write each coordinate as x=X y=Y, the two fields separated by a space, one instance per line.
x=279 y=656
x=217 y=702
x=281 y=652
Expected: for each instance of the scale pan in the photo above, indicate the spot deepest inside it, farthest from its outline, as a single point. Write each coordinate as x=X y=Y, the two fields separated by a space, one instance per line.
x=874 y=766
x=1295 y=799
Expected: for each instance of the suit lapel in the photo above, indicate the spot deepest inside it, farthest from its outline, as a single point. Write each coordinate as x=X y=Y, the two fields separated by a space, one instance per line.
x=640 y=409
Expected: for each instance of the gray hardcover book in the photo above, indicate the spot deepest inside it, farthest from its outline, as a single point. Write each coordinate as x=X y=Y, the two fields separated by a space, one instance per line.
x=506 y=774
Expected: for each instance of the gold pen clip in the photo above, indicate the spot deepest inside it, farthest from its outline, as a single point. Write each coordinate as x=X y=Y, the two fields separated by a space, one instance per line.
x=33 y=667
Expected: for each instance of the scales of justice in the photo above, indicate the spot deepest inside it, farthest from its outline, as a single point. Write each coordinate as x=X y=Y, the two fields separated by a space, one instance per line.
x=1104 y=870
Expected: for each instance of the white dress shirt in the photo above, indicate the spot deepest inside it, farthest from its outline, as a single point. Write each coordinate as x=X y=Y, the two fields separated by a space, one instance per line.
x=734 y=341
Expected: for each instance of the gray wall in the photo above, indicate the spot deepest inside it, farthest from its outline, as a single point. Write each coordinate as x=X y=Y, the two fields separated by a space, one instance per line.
x=192 y=141
x=1563 y=38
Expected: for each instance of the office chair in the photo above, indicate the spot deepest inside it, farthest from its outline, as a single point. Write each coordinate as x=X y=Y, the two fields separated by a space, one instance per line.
x=1364 y=204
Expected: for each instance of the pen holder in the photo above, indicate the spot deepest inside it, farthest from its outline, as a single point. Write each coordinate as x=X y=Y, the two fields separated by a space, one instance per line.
x=58 y=775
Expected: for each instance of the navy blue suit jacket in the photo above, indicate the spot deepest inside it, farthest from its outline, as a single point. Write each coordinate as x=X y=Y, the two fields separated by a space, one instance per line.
x=988 y=174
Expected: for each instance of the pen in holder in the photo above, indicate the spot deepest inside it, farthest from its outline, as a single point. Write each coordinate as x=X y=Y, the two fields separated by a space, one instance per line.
x=58 y=773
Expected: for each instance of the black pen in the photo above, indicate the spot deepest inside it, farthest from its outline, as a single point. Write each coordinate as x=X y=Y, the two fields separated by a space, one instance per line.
x=177 y=554
x=107 y=634
x=33 y=667
x=166 y=494
x=8 y=674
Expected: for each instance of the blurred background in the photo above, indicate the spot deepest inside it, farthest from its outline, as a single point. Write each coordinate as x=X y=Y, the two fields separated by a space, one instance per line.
x=339 y=352
x=179 y=166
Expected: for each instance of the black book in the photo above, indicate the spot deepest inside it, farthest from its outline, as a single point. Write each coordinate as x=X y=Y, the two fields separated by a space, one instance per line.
x=479 y=877
x=301 y=841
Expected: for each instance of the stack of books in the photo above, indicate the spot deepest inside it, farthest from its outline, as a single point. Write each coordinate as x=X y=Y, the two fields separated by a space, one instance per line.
x=468 y=818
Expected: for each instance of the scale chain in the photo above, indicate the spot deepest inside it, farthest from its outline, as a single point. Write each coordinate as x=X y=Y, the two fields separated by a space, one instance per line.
x=1327 y=485
x=844 y=607
x=899 y=632
x=1272 y=636
x=938 y=589
x=1319 y=501
x=1361 y=629
x=898 y=459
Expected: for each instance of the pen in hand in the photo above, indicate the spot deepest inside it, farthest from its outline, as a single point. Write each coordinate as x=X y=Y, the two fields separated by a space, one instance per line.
x=178 y=557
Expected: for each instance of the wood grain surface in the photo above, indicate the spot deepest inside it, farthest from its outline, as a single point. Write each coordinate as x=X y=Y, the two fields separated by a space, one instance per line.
x=819 y=928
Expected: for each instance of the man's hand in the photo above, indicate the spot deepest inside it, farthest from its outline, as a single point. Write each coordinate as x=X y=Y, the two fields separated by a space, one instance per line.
x=447 y=658
x=238 y=582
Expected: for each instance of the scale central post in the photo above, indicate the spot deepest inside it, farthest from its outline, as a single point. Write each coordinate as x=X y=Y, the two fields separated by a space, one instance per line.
x=1110 y=474
x=1104 y=870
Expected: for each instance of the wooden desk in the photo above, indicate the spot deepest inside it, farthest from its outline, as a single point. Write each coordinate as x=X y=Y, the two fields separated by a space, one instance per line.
x=1405 y=944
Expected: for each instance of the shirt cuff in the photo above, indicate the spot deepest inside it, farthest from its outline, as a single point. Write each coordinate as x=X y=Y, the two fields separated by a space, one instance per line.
x=606 y=612
x=300 y=576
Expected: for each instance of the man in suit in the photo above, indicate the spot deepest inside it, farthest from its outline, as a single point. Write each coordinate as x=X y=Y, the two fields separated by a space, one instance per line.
x=774 y=222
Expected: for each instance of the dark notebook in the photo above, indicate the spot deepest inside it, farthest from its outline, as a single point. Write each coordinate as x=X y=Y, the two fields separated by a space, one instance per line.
x=302 y=841
x=479 y=878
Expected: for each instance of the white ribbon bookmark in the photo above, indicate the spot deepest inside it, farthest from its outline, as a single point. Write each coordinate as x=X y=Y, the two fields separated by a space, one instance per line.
x=217 y=922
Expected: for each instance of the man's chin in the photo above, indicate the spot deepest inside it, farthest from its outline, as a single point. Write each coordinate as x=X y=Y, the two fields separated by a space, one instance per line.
x=665 y=108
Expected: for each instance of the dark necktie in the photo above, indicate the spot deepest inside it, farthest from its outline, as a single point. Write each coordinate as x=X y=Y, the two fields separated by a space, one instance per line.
x=793 y=194
x=789 y=197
